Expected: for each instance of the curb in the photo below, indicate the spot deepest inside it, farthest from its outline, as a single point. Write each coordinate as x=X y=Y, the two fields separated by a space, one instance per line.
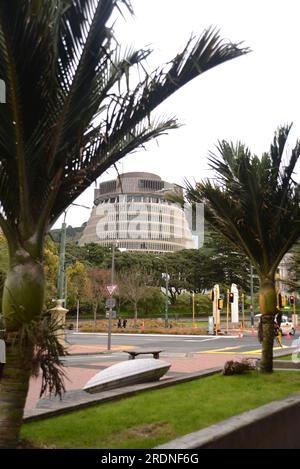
x=117 y=394
x=79 y=354
x=285 y=364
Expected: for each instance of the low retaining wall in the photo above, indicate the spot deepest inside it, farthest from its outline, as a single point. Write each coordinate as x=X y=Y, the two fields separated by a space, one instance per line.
x=274 y=425
x=63 y=407
x=286 y=365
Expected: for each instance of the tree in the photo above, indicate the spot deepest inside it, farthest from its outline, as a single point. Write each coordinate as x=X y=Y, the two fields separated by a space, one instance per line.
x=98 y=279
x=197 y=270
x=254 y=203
x=78 y=284
x=51 y=262
x=134 y=286
x=71 y=112
x=225 y=264
x=153 y=303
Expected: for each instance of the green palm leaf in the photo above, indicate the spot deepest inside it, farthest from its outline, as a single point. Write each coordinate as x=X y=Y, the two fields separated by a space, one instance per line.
x=254 y=200
x=71 y=108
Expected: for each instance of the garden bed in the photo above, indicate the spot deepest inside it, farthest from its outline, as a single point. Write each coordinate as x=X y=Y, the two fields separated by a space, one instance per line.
x=146 y=326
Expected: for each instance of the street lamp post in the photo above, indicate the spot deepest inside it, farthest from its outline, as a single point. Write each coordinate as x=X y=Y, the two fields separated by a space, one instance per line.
x=252 y=295
x=62 y=255
x=61 y=294
x=167 y=294
x=167 y=300
x=110 y=308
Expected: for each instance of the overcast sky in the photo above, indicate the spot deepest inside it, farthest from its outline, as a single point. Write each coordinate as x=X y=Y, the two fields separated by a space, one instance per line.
x=245 y=99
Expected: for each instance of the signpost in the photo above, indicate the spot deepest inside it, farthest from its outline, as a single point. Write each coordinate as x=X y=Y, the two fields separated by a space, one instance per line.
x=111 y=288
x=110 y=303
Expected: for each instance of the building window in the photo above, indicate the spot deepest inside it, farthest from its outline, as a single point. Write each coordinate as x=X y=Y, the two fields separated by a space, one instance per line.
x=150 y=184
x=108 y=186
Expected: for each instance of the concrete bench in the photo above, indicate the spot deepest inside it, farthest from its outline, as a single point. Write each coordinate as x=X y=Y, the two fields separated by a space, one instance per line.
x=133 y=354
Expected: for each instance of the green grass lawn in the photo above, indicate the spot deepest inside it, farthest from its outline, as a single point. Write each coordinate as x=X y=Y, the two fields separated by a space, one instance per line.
x=197 y=323
x=155 y=417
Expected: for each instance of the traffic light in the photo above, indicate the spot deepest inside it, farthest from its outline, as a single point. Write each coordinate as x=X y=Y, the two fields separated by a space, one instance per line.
x=280 y=300
x=212 y=295
x=292 y=299
x=231 y=297
x=220 y=303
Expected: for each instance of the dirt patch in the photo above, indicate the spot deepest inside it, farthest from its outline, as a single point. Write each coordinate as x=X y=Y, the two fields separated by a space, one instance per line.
x=27 y=444
x=147 y=430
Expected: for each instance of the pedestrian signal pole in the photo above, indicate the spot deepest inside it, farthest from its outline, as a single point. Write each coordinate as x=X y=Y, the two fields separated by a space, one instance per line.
x=193 y=306
x=243 y=310
x=216 y=306
x=252 y=295
x=227 y=311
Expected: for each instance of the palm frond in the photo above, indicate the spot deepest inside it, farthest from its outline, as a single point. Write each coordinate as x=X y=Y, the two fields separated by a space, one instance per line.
x=74 y=105
x=254 y=202
x=110 y=151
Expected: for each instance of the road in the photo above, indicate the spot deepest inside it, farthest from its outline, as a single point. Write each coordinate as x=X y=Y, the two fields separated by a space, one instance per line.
x=175 y=345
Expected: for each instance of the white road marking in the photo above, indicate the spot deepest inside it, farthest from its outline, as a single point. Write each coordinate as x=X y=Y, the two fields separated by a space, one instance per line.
x=103 y=334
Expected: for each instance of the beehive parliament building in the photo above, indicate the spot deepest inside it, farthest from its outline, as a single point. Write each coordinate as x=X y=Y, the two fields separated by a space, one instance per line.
x=134 y=212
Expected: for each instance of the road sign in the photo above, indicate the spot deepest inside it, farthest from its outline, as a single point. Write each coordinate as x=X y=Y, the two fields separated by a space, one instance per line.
x=113 y=314
x=111 y=288
x=110 y=302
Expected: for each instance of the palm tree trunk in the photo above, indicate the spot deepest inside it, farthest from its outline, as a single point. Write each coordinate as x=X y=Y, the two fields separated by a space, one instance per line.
x=266 y=364
x=13 y=392
x=267 y=303
x=23 y=298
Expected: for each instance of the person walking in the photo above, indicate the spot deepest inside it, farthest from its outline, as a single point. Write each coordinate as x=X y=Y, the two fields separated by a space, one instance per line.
x=277 y=328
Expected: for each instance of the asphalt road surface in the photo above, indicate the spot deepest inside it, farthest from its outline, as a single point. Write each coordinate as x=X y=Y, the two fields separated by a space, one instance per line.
x=175 y=344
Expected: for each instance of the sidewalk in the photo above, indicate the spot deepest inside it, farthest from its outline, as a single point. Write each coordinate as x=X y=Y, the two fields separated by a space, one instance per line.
x=77 y=376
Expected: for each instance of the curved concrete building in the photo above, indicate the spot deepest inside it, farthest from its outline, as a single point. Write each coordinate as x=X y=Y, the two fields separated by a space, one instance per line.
x=133 y=211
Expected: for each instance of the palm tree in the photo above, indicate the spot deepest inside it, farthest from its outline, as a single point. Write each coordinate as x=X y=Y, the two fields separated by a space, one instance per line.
x=73 y=108
x=254 y=203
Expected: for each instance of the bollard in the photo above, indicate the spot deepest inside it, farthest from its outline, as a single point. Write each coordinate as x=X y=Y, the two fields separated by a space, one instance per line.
x=58 y=313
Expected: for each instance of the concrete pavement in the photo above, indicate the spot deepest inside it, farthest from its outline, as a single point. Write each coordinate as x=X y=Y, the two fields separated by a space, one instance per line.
x=197 y=354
